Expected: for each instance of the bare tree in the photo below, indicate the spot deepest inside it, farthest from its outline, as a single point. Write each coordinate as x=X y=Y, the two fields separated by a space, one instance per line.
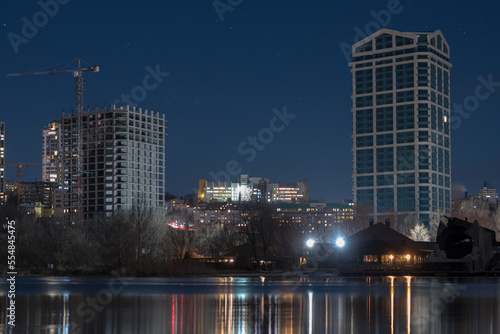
x=362 y=213
x=288 y=239
x=213 y=240
x=325 y=231
x=179 y=243
x=113 y=237
x=40 y=243
x=207 y=239
x=420 y=233
x=82 y=252
x=496 y=221
x=259 y=226
x=474 y=209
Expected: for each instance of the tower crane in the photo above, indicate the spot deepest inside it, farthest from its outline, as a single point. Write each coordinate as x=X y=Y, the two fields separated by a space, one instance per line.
x=78 y=74
x=19 y=166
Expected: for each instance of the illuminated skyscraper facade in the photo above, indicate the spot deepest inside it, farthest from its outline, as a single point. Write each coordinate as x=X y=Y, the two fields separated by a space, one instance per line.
x=401 y=123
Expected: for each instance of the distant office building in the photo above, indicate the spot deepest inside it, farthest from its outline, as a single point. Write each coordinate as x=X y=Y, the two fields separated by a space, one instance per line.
x=288 y=192
x=488 y=193
x=252 y=189
x=320 y=220
x=42 y=192
x=217 y=214
x=123 y=160
x=2 y=162
x=315 y=218
x=214 y=191
x=51 y=167
x=45 y=196
x=401 y=123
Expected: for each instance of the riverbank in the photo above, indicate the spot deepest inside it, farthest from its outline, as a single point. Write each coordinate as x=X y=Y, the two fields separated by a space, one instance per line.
x=205 y=272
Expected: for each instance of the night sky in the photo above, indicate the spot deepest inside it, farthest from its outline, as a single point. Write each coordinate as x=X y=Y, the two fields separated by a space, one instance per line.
x=227 y=75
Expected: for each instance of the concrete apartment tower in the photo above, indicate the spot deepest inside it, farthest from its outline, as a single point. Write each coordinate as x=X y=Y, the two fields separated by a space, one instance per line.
x=123 y=161
x=401 y=123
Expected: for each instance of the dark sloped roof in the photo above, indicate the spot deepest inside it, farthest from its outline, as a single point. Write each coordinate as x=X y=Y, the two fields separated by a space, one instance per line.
x=379 y=231
x=380 y=239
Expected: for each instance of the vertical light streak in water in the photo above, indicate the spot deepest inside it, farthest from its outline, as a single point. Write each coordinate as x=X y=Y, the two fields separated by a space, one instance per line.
x=243 y=320
x=173 y=314
x=352 y=313
x=66 y=313
x=182 y=313
x=340 y=316
x=326 y=313
x=310 y=312
x=222 y=312
x=256 y=319
x=276 y=313
x=392 y=304
x=262 y=310
x=408 y=302
x=269 y=315
x=369 y=306
x=230 y=314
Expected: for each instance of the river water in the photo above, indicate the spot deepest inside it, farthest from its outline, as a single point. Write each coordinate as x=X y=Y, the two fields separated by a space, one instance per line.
x=278 y=304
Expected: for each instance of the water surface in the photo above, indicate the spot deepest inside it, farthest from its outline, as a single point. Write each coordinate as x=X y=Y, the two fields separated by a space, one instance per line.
x=284 y=304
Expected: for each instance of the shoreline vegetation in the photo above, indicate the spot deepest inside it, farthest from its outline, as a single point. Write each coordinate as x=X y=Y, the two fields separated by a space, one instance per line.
x=142 y=242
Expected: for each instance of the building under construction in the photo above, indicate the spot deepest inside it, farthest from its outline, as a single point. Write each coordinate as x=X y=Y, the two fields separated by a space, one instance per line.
x=122 y=161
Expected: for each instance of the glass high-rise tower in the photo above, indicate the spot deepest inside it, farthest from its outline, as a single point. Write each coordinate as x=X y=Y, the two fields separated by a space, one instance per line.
x=401 y=123
x=51 y=164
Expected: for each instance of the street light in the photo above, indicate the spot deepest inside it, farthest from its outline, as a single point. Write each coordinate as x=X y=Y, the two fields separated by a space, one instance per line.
x=340 y=242
x=310 y=243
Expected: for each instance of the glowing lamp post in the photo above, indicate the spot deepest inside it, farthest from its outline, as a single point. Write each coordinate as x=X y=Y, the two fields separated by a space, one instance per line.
x=340 y=242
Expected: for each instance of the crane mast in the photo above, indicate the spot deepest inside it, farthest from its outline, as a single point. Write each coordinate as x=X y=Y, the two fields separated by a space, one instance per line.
x=78 y=74
x=79 y=149
x=19 y=166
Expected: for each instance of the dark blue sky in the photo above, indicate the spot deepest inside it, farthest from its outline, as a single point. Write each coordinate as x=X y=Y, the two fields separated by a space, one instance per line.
x=226 y=76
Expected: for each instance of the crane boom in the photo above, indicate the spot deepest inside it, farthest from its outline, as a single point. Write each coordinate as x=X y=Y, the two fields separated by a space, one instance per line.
x=94 y=68
x=77 y=73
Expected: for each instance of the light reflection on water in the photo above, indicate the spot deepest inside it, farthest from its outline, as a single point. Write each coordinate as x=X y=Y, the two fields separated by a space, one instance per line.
x=254 y=305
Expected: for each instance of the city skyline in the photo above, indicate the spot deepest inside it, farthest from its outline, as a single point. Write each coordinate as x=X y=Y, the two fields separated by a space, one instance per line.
x=246 y=75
